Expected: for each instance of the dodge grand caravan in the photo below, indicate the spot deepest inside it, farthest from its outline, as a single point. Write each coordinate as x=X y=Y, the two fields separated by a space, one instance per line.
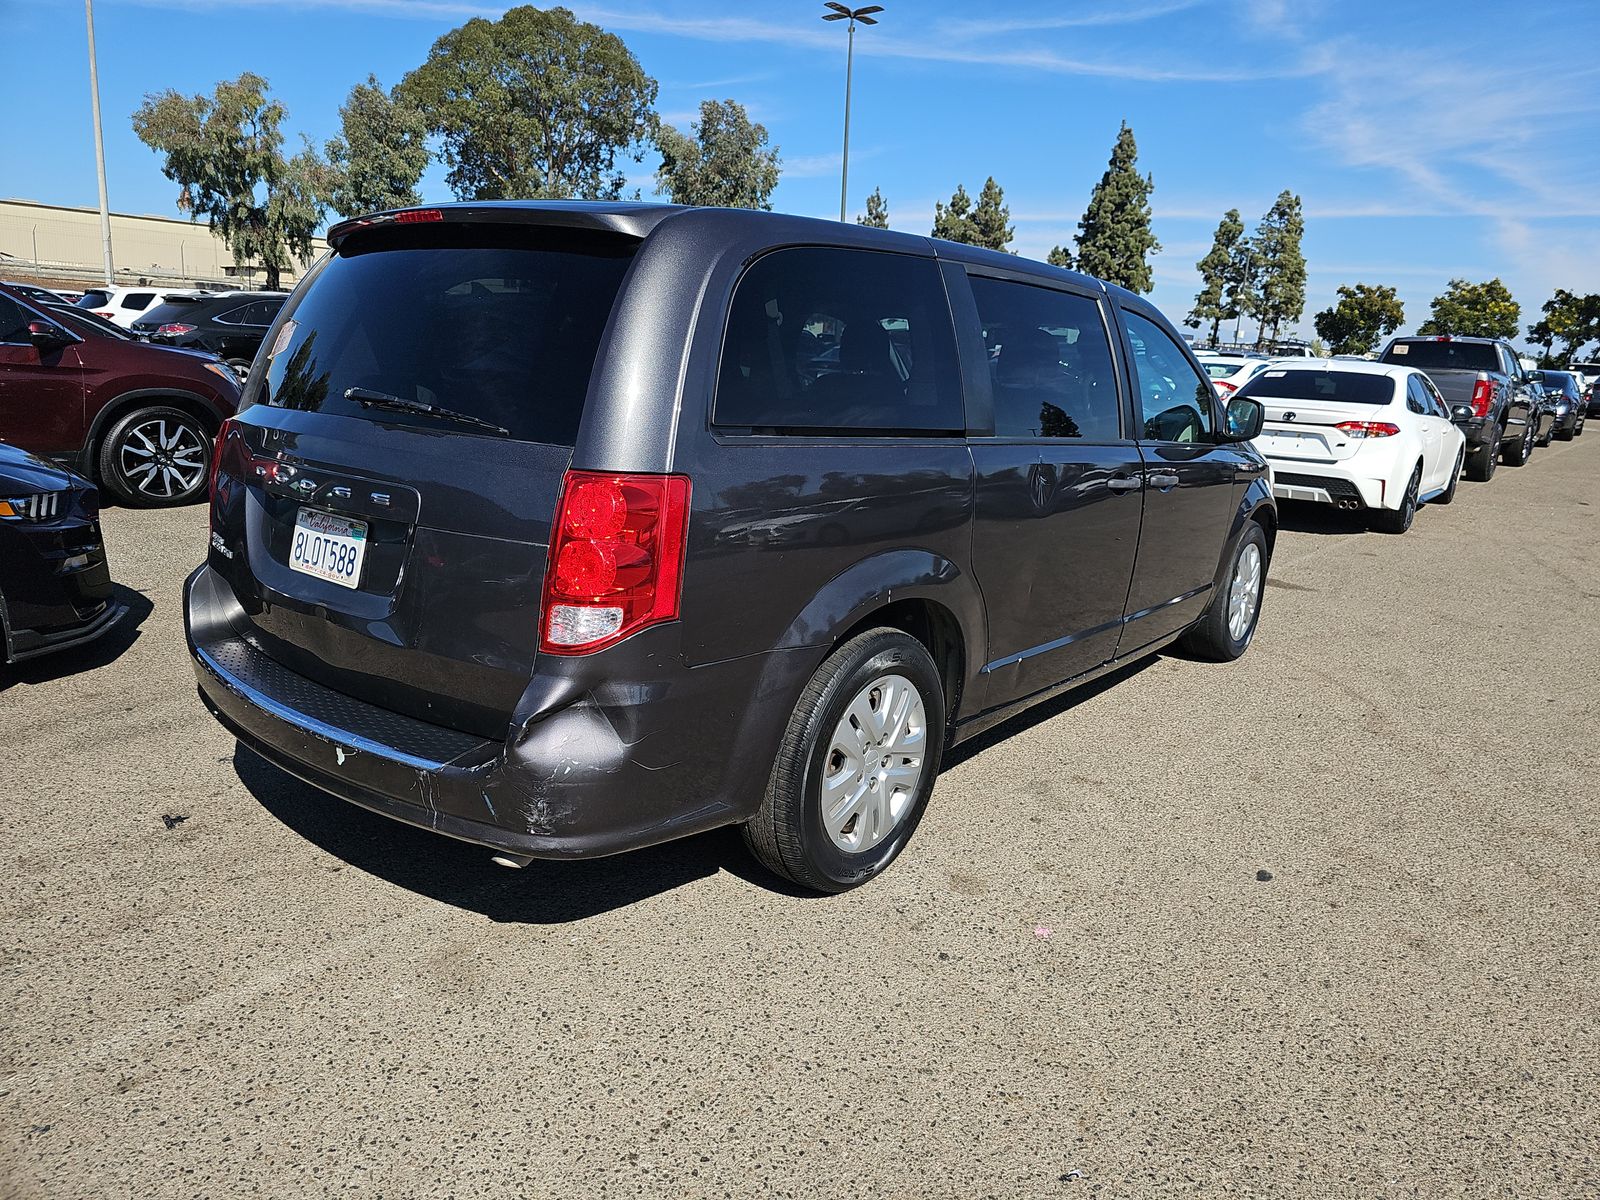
x=566 y=529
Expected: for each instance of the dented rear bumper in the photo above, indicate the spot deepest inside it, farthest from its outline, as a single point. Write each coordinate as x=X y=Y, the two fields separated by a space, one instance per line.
x=588 y=767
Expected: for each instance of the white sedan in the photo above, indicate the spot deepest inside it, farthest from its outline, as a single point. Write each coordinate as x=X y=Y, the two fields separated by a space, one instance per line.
x=1230 y=372
x=1361 y=436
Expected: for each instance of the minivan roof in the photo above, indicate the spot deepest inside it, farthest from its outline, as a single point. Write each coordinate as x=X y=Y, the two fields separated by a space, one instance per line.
x=635 y=218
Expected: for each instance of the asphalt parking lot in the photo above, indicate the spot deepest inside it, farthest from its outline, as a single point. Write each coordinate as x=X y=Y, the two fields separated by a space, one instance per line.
x=218 y=982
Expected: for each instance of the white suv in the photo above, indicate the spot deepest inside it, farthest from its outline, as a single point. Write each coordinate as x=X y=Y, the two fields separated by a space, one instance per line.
x=124 y=305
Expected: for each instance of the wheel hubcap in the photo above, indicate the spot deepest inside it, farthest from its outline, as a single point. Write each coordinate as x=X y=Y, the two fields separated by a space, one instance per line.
x=874 y=763
x=1244 y=593
x=163 y=458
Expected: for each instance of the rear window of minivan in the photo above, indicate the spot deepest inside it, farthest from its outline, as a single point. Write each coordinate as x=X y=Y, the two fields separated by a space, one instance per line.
x=500 y=323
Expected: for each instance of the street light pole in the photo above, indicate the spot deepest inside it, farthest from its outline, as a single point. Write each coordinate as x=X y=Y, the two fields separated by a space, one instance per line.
x=99 y=146
x=864 y=15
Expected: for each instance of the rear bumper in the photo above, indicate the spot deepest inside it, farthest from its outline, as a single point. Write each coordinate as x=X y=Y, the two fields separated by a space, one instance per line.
x=1322 y=483
x=594 y=772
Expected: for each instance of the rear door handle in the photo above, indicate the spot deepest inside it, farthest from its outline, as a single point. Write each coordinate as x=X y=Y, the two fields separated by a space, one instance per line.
x=1122 y=483
x=1163 y=480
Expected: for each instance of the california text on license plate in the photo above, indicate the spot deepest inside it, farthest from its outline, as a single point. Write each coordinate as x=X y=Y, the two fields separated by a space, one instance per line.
x=328 y=547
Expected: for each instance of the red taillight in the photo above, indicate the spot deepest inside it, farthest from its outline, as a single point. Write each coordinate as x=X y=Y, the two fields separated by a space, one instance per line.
x=216 y=458
x=107 y=313
x=1482 y=396
x=176 y=327
x=1367 y=429
x=616 y=559
x=1224 y=388
x=418 y=216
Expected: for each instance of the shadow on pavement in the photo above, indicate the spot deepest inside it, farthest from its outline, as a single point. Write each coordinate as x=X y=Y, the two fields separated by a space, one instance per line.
x=459 y=874
x=551 y=893
x=101 y=652
x=1297 y=516
x=1045 y=711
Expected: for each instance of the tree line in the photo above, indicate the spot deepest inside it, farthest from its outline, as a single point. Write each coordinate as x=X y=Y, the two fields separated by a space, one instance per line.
x=536 y=104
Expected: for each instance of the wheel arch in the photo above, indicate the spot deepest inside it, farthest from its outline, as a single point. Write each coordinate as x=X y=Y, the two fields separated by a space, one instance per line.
x=110 y=413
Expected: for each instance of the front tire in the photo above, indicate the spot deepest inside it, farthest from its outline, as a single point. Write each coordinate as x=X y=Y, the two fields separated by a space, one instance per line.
x=1227 y=627
x=156 y=458
x=856 y=765
x=1521 y=451
x=1449 y=494
x=1484 y=461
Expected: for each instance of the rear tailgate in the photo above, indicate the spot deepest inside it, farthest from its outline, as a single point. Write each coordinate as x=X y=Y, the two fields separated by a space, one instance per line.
x=395 y=556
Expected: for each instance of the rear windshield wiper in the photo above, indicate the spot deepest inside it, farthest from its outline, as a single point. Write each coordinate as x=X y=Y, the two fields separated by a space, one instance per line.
x=368 y=398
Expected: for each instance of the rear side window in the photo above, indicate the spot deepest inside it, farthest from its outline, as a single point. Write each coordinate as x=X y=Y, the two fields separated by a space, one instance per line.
x=1337 y=387
x=137 y=301
x=13 y=321
x=1049 y=361
x=852 y=341
x=1174 y=398
x=501 y=323
x=1428 y=355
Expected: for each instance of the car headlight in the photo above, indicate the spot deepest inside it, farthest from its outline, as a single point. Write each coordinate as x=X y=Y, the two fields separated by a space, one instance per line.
x=45 y=506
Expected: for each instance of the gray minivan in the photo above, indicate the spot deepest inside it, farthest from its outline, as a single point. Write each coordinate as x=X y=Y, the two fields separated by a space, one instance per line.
x=569 y=528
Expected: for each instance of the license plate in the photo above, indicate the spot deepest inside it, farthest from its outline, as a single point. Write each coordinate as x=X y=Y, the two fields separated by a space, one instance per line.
x=328 y=547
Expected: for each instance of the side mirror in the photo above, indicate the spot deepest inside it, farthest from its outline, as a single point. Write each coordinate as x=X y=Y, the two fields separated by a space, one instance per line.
x=1242 y=420
x=47 y=337
x=1460 y=414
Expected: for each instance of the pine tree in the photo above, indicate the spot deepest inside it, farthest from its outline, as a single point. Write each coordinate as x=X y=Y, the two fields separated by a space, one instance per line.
x=1283 y=266
x=991 y=219
x=1114 y=237
x=1060 y=256
x=877 y=211
x=1211 y=303
x=954 y=224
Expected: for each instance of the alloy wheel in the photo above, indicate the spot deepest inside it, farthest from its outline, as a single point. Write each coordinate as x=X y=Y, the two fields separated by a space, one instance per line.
x=1244 y=592
x=874 y=763
x=163 y=458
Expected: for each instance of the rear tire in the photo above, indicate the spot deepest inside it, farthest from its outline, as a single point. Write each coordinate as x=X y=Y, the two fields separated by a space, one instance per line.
x=1227 y=627
x=866 y=737
x=156 y=458
x=1484 y=460
x=1399 y=520
x=1449 y=494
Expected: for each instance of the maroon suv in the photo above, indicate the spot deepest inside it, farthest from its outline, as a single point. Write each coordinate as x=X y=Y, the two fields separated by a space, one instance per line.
x=139 y=418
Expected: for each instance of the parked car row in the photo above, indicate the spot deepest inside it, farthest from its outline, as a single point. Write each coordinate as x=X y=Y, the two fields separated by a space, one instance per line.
x=1385 y=437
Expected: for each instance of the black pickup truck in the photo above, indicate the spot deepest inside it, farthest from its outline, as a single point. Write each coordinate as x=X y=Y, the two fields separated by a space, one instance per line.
x=1484 y=373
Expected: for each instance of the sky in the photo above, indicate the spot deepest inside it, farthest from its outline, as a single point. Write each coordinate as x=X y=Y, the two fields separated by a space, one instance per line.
x=1426 y=140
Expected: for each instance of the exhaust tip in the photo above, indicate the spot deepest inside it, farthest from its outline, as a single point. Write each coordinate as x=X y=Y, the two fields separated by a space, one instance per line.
x=514 y=862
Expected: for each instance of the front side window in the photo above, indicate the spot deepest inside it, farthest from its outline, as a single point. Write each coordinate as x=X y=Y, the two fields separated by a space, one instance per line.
x=1049 y=361
x=844 y=341
x=1174 y=398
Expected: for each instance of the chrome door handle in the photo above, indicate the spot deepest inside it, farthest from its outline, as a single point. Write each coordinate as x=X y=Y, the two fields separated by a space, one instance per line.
x=1121 y=483
x=1163 y=480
